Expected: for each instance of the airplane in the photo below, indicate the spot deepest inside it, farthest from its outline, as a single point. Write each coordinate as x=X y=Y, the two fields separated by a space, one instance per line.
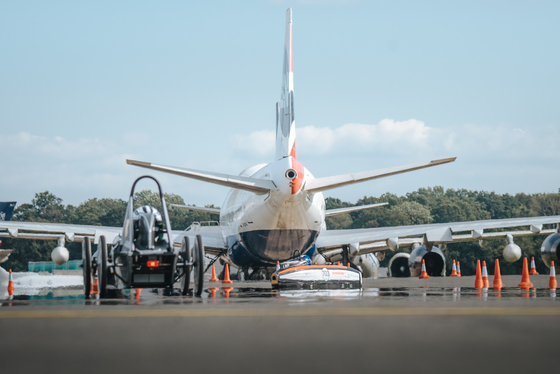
x=276 y=212
x=6 y=211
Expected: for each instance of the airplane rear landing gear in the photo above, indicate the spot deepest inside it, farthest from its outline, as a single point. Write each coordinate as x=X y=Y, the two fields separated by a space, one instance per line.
x=260 y=274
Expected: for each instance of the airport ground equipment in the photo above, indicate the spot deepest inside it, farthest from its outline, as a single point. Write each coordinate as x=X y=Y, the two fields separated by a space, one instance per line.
x=300 y=273
x=143 y=256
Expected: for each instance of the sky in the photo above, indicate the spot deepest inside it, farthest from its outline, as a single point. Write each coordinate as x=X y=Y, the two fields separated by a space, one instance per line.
x=86 y=85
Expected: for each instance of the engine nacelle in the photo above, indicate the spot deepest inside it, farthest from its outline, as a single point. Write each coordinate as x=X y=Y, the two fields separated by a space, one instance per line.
x=398 y=266
x=60 y=255
x=368 y=264
x=550 y=249
x=435 y=261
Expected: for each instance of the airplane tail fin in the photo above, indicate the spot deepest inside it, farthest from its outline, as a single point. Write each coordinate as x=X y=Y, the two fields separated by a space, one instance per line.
x=6 y=210
x=285 y=124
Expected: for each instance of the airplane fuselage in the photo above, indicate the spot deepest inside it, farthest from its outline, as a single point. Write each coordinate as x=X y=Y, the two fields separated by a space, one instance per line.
x=260 y=229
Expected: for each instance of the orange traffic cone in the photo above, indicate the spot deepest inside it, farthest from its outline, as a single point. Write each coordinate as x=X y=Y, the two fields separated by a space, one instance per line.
x=454 y=270
x=424 y=273
x=226 y=275
x=458 y=268
x=95 y=288
x=525 y=281
x=214 y=277
x=552 y=284
x=137 y=292
x=338 y=263
x=497 y=284
x=478 y=282
x=485 y=281
x=277 y=266
x=10 y=284
x=533 y=267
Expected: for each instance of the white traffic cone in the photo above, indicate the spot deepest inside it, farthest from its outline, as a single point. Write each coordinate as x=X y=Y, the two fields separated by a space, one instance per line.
x=454 y=269
x=485 y=281
x=424 y=273
x=277 y=266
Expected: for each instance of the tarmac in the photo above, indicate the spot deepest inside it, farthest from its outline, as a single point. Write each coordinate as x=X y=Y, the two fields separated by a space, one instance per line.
x=392 y=325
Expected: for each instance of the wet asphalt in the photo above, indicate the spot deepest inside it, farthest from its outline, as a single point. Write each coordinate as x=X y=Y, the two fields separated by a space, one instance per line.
x=390 y=326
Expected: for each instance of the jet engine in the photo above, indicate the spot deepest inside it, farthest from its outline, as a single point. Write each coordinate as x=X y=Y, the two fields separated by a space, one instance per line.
x=435 y=261
x=410 y=265
x=60 y=254
x=550 y=249
x=398 y=265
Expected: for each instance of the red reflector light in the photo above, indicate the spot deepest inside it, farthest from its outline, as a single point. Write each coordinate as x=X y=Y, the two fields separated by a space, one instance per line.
x=152 y=264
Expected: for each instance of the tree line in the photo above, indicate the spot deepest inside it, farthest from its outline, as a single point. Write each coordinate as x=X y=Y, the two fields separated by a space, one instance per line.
x=426 y=205
x=46 y=207
x=438 y=205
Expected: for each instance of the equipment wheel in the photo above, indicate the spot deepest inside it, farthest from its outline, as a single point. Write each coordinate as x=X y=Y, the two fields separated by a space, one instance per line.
x=198 y=266
x=102 y=267
x=86 y=266
x=186 y=253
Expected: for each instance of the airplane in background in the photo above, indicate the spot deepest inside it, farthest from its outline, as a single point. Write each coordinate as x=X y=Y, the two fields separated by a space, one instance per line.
x=6 y=211
x=276 y=212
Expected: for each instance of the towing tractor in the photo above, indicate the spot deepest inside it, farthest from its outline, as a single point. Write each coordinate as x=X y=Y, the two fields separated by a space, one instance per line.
x=143 y=255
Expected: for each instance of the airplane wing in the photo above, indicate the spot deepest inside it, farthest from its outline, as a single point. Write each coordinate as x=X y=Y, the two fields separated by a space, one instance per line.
x=332 y=212
x=41 y=230
x=198 y=208
x=384 y=238
x=211 y=236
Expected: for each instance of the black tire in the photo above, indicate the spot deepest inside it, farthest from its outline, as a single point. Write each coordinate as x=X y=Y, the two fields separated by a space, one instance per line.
x=186 y=253
x=198 y=266
x=86 y=266
x=102 y=266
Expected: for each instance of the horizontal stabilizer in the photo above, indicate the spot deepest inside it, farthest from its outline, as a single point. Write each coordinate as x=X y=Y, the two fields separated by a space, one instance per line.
x=332 y=212
x=328 y=183
x=259 y=186
x=198 y=208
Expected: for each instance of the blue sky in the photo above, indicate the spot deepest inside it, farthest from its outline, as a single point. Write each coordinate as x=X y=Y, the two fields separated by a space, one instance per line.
x=85 y=85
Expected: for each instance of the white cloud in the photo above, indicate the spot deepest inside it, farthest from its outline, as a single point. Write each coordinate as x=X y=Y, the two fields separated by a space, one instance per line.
x=62 y=166
x=495 y=158
x=390 y=137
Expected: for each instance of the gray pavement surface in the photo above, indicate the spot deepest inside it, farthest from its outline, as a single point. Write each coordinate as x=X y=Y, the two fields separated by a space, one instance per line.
x=391 y=326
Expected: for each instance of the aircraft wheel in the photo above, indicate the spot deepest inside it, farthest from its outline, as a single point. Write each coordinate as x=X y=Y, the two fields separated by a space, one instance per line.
x=198 y=267
x=86 y=266
x=102 y=266
x=186 y=253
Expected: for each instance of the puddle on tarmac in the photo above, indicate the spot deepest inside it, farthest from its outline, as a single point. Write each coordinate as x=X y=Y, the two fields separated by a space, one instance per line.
x=73 y=295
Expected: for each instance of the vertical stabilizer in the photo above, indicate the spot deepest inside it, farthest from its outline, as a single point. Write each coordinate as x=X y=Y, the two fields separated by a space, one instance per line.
x=285 y=124
x=6 y=210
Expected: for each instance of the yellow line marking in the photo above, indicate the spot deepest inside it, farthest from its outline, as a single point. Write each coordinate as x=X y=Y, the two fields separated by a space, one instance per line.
x=293 y=312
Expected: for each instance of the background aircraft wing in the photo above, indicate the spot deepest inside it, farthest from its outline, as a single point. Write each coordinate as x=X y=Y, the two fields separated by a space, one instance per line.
x=43 y=230
x=212 y=238
x=384 y=238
